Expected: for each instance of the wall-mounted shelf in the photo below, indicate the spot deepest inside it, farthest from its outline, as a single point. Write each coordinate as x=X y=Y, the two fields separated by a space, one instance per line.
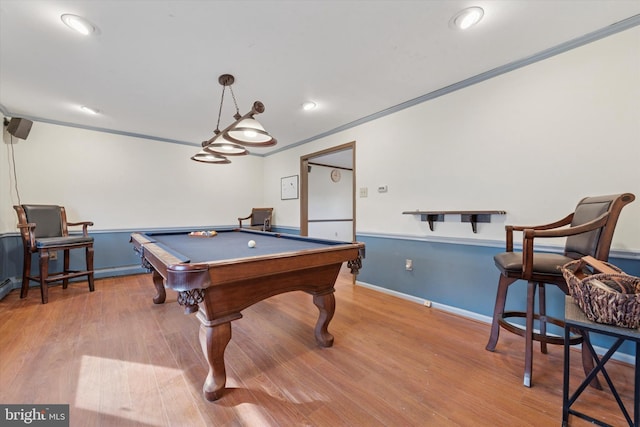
x=474 y=217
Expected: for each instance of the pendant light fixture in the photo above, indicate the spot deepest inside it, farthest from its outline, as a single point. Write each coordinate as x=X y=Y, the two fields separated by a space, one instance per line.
x=206 y=157
x=246 y=131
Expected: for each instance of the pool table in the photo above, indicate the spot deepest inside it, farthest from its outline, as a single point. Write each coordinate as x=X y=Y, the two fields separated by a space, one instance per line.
x=219 y=276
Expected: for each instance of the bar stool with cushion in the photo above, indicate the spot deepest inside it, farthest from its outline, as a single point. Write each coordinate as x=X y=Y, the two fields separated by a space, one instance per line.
x=44 y=229
x=590 y=232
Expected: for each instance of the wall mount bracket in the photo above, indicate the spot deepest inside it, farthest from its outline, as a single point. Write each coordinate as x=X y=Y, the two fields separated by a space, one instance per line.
x=474 y=217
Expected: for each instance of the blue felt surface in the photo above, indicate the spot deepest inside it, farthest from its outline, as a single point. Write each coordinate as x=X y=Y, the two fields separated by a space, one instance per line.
x=233 y=244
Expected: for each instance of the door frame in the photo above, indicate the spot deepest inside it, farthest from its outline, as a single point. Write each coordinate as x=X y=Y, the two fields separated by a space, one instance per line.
x=304 y=185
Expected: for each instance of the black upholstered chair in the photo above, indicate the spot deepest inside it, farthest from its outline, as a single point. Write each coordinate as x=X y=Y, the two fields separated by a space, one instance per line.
x=589 y=232
x=260 y=219
x=44 y=229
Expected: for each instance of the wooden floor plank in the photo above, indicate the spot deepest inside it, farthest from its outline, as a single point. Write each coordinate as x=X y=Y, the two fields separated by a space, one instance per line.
x=120 y=360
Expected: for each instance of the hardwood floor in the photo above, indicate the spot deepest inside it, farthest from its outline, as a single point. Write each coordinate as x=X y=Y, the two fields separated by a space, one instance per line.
x=120 y=360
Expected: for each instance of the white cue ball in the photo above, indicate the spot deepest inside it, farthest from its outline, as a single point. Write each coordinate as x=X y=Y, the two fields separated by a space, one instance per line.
x=252 y=243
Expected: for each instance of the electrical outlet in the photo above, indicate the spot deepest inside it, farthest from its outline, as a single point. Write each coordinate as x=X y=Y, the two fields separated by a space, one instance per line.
x=53 y=255
x=408 y=265
x=427 y=303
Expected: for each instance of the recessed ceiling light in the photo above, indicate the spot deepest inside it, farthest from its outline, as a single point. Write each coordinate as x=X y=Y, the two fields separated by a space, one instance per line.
x=309 y=105
x=467 y=18
x=78 y=23
x=89 y=110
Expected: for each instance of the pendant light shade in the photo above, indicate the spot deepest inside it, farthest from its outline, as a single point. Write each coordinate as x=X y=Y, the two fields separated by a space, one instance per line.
x=206 y=157
x=251 y=133
x=225 y=148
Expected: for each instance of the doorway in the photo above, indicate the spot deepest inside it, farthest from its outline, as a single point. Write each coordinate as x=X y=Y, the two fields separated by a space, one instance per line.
x=327 y=193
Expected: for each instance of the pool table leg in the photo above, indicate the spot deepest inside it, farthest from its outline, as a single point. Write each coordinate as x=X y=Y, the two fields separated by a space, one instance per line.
x=326 y=303
x=158 y=282
x=214 y=340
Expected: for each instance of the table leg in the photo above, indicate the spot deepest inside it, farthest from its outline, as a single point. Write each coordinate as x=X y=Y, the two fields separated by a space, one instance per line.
x=214 y=340
x=327 y=305
x=636 y=392
x=565 y=380
x=158 y=282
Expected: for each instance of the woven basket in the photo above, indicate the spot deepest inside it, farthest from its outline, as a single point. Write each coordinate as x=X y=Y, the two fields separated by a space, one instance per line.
x=612 y=299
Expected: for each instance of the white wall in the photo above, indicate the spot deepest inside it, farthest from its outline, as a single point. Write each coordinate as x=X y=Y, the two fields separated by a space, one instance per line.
x=124 y=182
x=532 y=142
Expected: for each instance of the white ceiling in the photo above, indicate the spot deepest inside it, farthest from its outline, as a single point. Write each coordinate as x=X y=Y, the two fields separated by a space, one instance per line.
x=152 y=67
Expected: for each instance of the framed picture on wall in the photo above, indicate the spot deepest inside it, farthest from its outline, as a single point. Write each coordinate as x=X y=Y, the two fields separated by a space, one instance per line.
x=289 y=187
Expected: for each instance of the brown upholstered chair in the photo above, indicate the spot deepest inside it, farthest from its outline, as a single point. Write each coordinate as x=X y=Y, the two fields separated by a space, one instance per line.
x=260 y=219
x=44 y=229
x=590 y=232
